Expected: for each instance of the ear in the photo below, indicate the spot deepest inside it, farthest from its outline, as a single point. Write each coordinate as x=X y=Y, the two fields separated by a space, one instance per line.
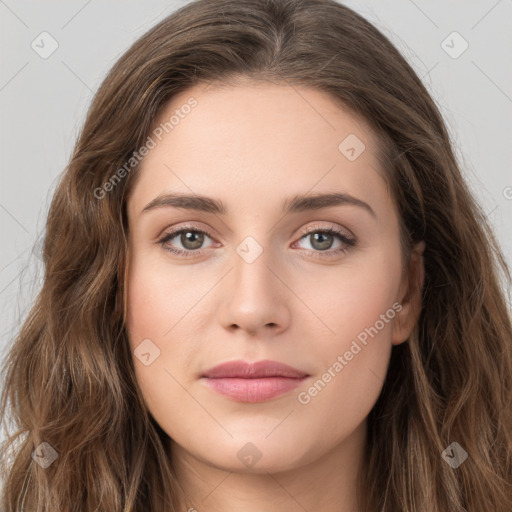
x=125 y=283
x=122 y=276
x=410 y=296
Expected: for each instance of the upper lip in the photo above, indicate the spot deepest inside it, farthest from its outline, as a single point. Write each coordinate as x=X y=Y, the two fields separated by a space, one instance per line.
x=258 y=369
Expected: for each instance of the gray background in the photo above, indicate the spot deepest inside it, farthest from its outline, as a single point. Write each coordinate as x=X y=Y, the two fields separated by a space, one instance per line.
x=43 y=104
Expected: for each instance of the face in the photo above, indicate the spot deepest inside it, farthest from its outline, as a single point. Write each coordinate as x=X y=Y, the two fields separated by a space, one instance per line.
x=255 y=273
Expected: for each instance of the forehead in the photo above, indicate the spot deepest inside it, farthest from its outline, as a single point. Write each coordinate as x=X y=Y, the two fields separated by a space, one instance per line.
x=260 y=139
x=257 y=111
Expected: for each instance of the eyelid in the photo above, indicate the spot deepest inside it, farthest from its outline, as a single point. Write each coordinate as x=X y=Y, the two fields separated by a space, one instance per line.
x=184 y=225
x=322 y=227
x=175 y=231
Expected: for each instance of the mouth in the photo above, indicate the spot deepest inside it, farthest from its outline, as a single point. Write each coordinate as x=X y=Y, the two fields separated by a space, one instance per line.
x=253 y=382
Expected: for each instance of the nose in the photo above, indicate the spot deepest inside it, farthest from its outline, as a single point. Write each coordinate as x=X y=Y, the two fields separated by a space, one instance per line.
x=257 y=298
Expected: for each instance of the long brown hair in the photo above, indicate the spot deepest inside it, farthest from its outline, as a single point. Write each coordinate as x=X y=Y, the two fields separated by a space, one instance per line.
x=69 y=376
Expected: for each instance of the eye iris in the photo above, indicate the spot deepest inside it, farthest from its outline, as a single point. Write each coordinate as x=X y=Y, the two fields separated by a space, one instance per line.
x=325 y=240
x=192 y=239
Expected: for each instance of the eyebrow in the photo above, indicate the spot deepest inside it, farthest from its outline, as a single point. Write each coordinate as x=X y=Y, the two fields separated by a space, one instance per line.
x=296 y=204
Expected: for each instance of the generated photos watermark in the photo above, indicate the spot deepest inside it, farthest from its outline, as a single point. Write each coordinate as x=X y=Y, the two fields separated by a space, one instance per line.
x=156 y=136
x=337 y=366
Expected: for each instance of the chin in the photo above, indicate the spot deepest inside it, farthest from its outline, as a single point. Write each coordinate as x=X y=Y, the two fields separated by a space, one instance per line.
x=256 y=455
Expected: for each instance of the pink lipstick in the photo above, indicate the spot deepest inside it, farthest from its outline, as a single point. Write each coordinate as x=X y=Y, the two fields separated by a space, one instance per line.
x=253 y=382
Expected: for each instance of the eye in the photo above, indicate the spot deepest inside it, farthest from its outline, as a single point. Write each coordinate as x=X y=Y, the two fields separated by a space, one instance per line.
x=320 y=238
x=189 y=237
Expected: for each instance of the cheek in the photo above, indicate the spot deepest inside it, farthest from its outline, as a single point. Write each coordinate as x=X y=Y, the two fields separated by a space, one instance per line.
x=350 y=298
x=157 y=299
x=357 y=310
x=144 y=295
x=153 y=316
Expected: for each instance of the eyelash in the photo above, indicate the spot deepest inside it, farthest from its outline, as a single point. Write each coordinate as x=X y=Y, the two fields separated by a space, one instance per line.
x=349 y=242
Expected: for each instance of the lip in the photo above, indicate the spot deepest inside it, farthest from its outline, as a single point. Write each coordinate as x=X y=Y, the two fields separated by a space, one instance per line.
x=253 y=382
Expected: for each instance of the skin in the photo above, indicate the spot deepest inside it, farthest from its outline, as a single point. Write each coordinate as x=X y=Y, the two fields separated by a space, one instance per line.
x=253 y=145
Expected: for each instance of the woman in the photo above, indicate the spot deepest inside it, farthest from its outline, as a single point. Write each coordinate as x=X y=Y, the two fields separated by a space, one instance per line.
x=267 y=286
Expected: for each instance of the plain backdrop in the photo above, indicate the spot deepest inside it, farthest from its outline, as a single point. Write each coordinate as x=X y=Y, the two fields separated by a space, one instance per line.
x=43 y=102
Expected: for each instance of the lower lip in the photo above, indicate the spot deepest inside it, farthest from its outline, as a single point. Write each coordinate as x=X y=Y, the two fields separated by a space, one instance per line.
x=253 y=390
